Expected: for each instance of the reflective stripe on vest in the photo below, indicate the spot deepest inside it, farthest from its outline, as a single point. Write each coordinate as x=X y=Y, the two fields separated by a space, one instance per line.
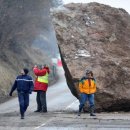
x=43 y=79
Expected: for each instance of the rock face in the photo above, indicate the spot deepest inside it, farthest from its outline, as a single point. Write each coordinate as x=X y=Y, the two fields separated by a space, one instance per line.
x=97 y=37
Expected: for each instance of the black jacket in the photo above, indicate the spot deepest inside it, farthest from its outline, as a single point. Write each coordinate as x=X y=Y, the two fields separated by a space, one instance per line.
x=23 y=83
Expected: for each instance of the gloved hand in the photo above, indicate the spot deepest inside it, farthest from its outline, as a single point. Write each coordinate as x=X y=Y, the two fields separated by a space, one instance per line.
x=10 y=94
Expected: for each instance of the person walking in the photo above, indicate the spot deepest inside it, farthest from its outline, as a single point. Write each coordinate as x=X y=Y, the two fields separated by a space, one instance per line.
x=87 y=87
x=40 y=86
x=24 y=85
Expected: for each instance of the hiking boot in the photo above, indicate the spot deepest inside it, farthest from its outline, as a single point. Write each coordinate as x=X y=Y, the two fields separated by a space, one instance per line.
x=92 y=114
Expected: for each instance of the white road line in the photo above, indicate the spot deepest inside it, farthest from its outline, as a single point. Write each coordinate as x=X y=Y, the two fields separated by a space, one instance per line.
x=43 y=124
x=40 y=126
x=72 y=104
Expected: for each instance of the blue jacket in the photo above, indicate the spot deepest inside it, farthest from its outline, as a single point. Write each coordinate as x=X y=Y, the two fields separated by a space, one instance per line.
x=23 y=83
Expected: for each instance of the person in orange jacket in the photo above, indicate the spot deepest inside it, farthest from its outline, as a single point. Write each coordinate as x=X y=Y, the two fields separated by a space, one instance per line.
x=87 y=87
x=40 y=86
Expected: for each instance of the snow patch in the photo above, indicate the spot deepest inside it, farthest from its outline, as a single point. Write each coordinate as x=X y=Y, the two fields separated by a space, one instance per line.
x=82 y=53
x=88 y=20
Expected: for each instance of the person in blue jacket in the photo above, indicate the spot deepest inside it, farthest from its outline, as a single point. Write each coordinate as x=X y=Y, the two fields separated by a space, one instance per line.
x=24 y=85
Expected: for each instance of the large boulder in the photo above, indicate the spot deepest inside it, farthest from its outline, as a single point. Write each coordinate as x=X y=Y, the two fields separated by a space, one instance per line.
x=97 y=37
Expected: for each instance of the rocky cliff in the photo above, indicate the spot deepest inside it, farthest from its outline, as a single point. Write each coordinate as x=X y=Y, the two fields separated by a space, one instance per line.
x=97 y=37
x=26 y=38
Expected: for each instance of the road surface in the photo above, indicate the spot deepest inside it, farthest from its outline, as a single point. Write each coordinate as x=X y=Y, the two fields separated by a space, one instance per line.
x=62 y=114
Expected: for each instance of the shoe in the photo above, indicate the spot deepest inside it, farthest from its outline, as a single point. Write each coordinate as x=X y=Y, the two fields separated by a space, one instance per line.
x=43 y=111
x=37 y=111
x=22 y=117
x=92 y=114
x=79 y=113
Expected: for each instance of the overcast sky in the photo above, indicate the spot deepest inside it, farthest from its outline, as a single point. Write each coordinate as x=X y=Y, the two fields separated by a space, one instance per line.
x=125 y=4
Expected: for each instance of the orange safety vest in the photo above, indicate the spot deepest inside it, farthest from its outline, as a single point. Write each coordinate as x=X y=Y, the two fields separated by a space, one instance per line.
x=87 y=86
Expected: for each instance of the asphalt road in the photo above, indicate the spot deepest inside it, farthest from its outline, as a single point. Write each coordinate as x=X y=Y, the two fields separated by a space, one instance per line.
x=62 y=114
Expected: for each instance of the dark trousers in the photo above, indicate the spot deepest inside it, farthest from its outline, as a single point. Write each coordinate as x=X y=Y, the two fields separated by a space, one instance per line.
x=23 y=102
x=41 y=101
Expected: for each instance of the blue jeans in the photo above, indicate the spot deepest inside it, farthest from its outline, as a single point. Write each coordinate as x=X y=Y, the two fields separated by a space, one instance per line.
x=23 y=102
x=86 y=97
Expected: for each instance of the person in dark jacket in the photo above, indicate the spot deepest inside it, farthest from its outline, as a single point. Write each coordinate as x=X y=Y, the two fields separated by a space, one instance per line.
x=24 y=85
